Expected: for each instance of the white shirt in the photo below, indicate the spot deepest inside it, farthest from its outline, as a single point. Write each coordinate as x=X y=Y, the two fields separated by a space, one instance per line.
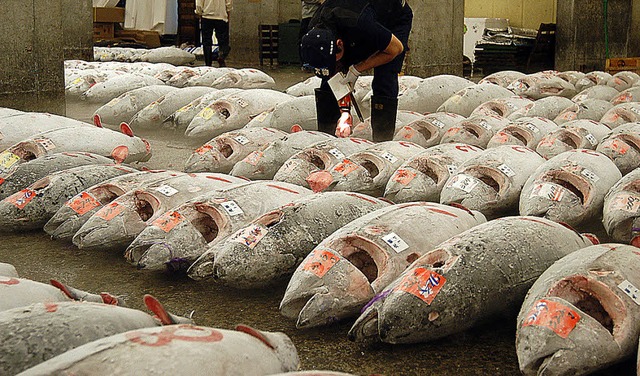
x=214 y=9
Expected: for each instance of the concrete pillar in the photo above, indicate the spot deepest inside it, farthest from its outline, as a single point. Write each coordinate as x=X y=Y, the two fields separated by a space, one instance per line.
x=580 y=36
x=31 y=62
x=436 y=39
x=243 y=28
x=634 y=42
x=77 y=21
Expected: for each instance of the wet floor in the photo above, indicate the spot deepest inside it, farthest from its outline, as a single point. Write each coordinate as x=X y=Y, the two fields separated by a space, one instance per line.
x=486 y=350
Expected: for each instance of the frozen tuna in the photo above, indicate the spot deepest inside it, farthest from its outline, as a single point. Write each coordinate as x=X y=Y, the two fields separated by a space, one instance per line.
x=428 y=130
x=571 y=77
x=501 y=106
x=115 y=225
x=539 y=86
x=581 y=315
x=622 y=113
x=359 y=260
x=249 y=78
x=466 y=100
x=476 y=130
x=422 y=177
x=31 y=207
x=525 y=131
x=121 y=147
x=294 y=114
x=21 y=175
x=38 y=332
x=502 y=78
x=170 y=55
x=621 y=213
x=435 y=91
x=589 y=109
x=16 y=128
x=470 y=278
x=601 y=92
x=366 y=171
x=180 y=119
x=124 y=107
x=176 y=349
x=592 y=79
x=623 y=80
x=305 y=87
x=632 y=94
x=491 y=182
x=271 y=247
x=569 y=187
x=77 y=210
x=209 y=77
x=320 y=156
x=154 y=114
x=548 y=108
x=622 y=145
x=105 y=91
x=233 y=112
x=575 y=134
x=183 y=234
x=364 y=130
x=227 y=149
x=264 y=163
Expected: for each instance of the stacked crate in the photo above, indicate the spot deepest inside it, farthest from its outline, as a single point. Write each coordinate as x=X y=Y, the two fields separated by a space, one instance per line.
x=104 y=22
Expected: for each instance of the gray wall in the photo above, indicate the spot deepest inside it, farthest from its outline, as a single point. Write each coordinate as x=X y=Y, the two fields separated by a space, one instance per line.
x=245 y=18
x=580 y=36
x=31 y=58
x=435 y=42
x=77 y=21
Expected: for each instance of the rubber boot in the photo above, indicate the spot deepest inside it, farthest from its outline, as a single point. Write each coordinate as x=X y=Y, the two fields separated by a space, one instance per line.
x=206 y=50
x=327 y=111
x=223 y=53
x=383 y=117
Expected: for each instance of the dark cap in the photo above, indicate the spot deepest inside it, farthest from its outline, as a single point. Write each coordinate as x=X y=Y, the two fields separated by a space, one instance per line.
x=318 y=51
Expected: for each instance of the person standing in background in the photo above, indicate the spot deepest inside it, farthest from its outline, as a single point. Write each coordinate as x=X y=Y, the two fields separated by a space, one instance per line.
x=214 y=15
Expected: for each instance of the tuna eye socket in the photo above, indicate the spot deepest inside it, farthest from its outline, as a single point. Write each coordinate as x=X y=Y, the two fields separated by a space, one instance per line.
x=365 y=264
x=317 y=161
x=205 y=226
x=519 y=137
x=271 y=219
x=144 y=209
x=224 y=112
x=566 y=138
x=371 y=168
x=226 y=150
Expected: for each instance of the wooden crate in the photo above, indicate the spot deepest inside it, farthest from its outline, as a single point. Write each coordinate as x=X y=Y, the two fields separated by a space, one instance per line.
x=148 y=38
x=618 y=64
x=103 y=30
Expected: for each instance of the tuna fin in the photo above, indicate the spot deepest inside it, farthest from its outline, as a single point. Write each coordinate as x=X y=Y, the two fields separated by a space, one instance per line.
x=296 y=128
x=126 y=129
x=120 y=153
x=593 y=238
x=75 y=294
x=111 y=299
x=460 y=206
x=254 y=333
x=97 y=121
x=386 y=200
x=156 y=307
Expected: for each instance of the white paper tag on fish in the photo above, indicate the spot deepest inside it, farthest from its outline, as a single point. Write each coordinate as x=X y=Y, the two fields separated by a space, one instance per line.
x=590 y=175
x=395 y=242
x=635 y=110
x=8 y=159
x=485 y=125
x=389 y=157
x=506 y=170
x=167 y=190
x=549 y=191
x=46 y=143
x=262 y=116
x=592 y=140
x=625 y=202
x=337 y=153
x=630 y=290
x=437 y=123
x=242 y=103
x=452 y=169
x=532 y=127
x=465 y=182
x=242 y=140
x=232 y=208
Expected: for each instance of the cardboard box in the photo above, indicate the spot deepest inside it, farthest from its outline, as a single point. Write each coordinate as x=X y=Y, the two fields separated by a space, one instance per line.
x=148 y=38
x=108 y=14
x=618 y=64
x=103 y=30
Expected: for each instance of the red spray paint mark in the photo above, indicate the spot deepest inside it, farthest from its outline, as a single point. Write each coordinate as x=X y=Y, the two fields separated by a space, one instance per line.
x=282 y=188
x=172 y=333
x=10 y=281
x=51 y=307
x=218 y=178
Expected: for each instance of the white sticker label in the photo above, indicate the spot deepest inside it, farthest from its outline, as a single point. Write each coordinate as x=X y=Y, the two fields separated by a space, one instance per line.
x=532 y=127
x=464 y=182
x=506 y=170
x=242 y=140
x=631 y=291
x=485 y=125
x=437 y=123
x=46 y=143
x=592 y=140
x=635 y=110
x=395 y=242
x=232 y=208
x=167 y=190
x=590 y=175
x=242 y=103
x=549 y=191
x=511 y=105
x=262 y=116
x=389 y=157
x=452 y=169
x=337 y=153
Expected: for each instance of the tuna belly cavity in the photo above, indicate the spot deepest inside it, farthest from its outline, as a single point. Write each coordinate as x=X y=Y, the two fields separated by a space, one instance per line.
x=365 y=255
x=594 y=299
x=207 y=221
x=579 y=187
x=145 y=205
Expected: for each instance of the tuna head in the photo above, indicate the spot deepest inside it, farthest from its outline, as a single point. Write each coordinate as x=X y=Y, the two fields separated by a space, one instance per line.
x=114 y=226
x=525 y=131
x=280 y=343
x=253 y=256
x=622 y=146
x=328 y=287
x=428 y=130
x=177 y=238
x=620 y=215
x=297 y=169
x=215 y=119
x=210 y=157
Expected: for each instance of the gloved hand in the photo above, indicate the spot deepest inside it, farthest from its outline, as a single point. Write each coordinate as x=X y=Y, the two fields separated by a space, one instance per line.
x=345 y=123
x=351 y=77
